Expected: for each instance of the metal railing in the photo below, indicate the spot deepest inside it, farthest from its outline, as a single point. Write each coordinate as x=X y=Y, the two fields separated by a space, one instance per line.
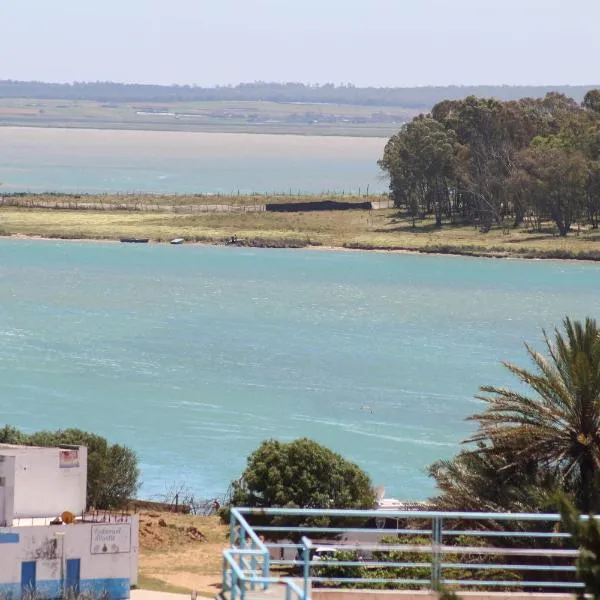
x=429 y=550
x=246 y=563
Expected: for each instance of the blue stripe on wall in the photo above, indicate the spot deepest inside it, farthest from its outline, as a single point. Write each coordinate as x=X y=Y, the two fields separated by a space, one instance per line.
x=116 y=589
x=9 y=538
x=48 y=589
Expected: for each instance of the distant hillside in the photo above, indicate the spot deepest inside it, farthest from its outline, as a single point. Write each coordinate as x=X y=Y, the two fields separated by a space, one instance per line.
x=416 y=98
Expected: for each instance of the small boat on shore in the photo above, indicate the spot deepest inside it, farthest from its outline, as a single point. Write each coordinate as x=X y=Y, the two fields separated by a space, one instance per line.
x=135 y=240
x=177 y=241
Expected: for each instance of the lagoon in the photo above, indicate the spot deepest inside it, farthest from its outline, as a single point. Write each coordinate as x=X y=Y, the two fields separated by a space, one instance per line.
x=114 y=161
x=192 y=355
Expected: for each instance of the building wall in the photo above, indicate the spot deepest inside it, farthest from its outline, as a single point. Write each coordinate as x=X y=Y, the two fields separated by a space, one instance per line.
x=7 y=489
x=108 y=553
x=47 y=481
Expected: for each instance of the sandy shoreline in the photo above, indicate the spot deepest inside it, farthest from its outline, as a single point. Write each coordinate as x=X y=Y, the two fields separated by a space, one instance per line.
x=323 y=248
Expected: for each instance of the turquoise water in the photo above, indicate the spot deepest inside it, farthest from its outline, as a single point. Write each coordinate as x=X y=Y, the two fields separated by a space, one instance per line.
x=193 y=355
x=110 y=161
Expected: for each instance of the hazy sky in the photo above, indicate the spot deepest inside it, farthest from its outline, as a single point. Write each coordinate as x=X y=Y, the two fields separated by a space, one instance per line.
x=366 y=42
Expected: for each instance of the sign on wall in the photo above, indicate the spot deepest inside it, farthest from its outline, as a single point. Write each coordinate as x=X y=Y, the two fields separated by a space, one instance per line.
x=111 y=539
x=68 y=458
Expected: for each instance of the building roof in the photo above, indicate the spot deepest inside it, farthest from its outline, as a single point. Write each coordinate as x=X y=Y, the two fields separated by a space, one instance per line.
x=27 y=447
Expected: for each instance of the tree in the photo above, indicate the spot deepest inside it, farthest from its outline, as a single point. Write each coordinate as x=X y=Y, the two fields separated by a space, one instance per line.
x=301 y=474
x=558 y=425
x=421 y=161
x=591 y=101
x=564 y=170
x=113 y=473
x=586 y=535
x=483 y=160
x=493 y=132
x=491 y=480
x=11 y=435
x=560 y=180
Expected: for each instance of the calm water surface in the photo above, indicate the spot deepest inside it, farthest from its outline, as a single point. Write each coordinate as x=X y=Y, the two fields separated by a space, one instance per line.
x=193 y=355
x=88 y=160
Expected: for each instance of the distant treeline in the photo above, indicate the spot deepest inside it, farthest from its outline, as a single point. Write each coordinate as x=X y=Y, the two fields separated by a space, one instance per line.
x=487 y=162
x=420 y=98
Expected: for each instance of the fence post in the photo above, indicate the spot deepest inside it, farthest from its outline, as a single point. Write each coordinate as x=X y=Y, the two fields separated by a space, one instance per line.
x=436 y=542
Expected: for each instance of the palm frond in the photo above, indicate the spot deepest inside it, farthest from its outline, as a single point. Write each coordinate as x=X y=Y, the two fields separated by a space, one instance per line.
x=556 y=424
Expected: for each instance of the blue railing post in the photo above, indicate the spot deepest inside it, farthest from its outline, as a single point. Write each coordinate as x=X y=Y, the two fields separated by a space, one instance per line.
x=306 y=547
x=232 y=544
x=436 y=542
x=224 y=574
x=266 y=568
x=253 y=565
x=232 y=525
x=234 y=585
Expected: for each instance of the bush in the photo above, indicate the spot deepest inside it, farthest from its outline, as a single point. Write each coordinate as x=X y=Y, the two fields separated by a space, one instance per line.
x=301 y=474
x=367 y=573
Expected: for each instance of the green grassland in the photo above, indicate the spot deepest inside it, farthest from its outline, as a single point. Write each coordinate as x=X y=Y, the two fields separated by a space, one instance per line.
x=385 y=229
x=210 y=116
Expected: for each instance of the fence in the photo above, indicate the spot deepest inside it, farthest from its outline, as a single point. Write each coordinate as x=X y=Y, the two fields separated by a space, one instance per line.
x=101 y=516
x=481 y=551
x=130 y=206
x=245 y=205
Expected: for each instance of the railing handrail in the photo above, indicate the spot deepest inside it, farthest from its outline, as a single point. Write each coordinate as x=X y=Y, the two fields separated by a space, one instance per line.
x=480 y=569
x=412 y=514
x=260 y=549
x=248 y=529
x=254 y=579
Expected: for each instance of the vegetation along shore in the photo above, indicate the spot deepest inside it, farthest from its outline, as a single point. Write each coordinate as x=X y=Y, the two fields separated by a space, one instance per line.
x=477 y=177
x=215 y=219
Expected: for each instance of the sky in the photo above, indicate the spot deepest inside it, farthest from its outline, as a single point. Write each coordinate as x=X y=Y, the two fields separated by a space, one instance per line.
x=394 y=43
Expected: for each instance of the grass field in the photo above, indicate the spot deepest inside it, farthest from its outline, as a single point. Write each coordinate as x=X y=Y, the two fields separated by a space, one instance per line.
x=227 y=117
x=134 y=200
x=385 y=229
x=175 y=558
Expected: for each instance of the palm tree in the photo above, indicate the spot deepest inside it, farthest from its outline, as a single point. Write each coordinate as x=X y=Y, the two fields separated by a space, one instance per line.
x=558 y=426
x=484 y=479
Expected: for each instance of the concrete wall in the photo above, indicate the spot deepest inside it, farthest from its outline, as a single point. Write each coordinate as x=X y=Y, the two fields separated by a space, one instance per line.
x=47 y=481
x=7 y=489
x=108 y=553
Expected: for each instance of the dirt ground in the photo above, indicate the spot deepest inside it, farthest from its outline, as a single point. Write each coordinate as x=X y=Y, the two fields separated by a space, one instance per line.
x=181 y=553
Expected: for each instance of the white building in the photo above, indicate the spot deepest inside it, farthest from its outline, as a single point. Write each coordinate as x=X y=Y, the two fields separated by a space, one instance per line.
x=39 y=487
